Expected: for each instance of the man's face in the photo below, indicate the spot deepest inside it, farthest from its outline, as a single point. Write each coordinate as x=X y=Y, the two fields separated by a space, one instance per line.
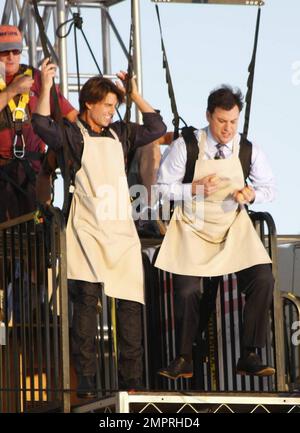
x=11 y=60
x=223 y=123
x=100 y=114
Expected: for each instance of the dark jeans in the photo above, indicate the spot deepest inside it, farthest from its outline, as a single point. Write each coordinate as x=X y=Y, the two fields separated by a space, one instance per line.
x=84 y=296
x=257 y=283
x=129 y=320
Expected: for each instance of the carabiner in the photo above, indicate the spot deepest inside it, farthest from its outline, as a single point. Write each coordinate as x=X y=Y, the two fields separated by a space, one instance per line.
x=19 y=153
x=22 y=110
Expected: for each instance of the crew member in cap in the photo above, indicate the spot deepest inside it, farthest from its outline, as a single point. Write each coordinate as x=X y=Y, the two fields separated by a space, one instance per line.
x=21 y=150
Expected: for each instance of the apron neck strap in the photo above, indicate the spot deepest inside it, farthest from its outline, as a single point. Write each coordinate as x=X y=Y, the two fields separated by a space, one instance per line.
x=81 y=127
x=84 y=131
x=235 y=145
x=114 y=134
x=202 y=142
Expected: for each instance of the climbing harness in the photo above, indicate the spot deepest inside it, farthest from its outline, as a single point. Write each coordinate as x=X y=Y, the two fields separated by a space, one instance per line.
x=18 y=112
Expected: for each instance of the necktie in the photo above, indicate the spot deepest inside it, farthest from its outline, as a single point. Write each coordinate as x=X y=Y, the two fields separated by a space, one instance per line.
x=220 y=153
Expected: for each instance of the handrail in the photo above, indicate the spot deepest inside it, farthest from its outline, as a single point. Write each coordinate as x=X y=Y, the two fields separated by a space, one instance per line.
x=294 y=299
x=34 y=358
x=292 y=354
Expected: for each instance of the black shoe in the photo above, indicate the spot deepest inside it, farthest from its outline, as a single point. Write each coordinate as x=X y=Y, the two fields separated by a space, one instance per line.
x=86 y=387
x=177 y=368
x=253 y=366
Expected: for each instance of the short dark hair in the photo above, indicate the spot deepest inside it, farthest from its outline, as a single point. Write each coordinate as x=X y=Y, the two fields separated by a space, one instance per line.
x=225 y=97
x=95 y=89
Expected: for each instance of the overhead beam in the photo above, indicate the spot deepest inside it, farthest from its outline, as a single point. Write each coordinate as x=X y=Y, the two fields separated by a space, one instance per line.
x=217 y=2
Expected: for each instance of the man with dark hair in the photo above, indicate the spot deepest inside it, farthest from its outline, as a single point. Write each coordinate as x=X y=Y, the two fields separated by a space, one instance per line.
x=103 y=245
x=217 y=238
x=21 y=151
x=225 y=97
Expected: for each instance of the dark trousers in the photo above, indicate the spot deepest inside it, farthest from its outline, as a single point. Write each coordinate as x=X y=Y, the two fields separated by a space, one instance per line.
x=84 y=296
x=256 y=283
x=13 y=202
x=129 y=326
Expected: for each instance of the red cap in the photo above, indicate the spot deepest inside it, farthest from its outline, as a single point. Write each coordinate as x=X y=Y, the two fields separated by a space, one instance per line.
x=10 y=38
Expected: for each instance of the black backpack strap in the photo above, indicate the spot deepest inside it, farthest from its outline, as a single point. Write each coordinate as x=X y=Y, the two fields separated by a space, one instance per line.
x=245 y=155
x=192 y=150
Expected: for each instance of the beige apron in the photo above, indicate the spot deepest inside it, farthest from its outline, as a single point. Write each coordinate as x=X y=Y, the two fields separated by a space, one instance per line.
x=220 y=241
x=102 y=242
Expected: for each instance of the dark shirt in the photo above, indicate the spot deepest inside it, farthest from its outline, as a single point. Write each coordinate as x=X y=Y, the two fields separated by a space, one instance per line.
x=153 y=127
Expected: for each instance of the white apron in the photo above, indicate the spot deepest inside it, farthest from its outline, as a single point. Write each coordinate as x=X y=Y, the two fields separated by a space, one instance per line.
x=220 y=241
x=102 y=242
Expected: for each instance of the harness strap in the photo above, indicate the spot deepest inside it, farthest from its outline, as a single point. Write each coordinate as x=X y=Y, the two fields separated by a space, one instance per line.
x=176 y=118
x=192 y=150
x=63 y=158
x=127 y=115
x=251 y=70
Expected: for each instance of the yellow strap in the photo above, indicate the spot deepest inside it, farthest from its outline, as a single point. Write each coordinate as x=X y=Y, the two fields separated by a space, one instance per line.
x=2 y=84
x=18 y=111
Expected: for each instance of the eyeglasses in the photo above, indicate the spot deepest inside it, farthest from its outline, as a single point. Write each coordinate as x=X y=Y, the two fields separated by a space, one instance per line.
x=7 y=52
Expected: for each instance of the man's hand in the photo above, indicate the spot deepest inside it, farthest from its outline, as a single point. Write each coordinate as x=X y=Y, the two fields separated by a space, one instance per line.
x=210 y=184
x=48 y=71
x=245 y=195
x=139 y=101
x=123 y=76
x=20 y=84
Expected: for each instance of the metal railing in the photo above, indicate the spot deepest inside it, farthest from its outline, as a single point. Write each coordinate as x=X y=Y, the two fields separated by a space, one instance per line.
x=34 y=350
x=34 y=329
x=291 y=312
x=218 y=346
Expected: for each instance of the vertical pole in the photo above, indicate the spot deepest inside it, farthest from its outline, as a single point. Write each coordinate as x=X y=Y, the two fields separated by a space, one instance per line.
x=62 y=49
x=105 y=43
x=278 y=319
x=137 y=57
x=32 y=52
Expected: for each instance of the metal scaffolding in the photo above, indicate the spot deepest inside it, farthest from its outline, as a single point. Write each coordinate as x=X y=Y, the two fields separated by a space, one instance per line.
x=54 y=13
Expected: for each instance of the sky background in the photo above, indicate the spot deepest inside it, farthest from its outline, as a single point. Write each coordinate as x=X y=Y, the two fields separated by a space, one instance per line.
x=208 y=45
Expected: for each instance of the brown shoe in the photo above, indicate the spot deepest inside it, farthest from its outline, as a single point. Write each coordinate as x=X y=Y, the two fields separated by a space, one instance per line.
x=252 y=365
x=177 y=368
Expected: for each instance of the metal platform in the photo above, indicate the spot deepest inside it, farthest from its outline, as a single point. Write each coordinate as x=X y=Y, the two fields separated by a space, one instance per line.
x=180 y=403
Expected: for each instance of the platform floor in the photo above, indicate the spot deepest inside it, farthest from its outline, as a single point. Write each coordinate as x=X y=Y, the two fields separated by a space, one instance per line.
x=193 y=402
